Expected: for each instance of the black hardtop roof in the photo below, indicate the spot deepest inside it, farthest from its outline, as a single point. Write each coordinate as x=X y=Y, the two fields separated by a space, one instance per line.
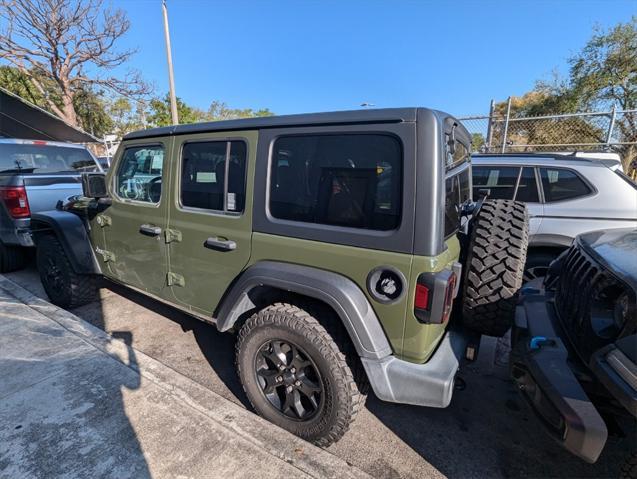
x=382 y=115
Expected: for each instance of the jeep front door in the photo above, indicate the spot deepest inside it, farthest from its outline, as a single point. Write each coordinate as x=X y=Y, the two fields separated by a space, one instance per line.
x=210 y=218
x=134 y=224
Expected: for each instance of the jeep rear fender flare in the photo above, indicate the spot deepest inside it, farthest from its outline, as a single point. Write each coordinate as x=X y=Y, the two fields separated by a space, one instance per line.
x=70 y=230
x=338 y=292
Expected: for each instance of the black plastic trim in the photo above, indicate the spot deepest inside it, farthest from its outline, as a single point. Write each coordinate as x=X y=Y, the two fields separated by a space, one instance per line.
x=342 y=294
x=71 y=231
x=544 y=376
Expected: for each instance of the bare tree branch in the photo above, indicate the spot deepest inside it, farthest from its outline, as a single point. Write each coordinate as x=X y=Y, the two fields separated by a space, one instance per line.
x=70 y=43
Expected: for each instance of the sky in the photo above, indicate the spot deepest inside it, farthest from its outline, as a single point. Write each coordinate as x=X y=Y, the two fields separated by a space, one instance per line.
x=307 y=56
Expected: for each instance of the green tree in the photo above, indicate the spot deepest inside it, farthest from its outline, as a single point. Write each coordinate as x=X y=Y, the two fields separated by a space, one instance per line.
x=477 y=141
x=66 y=49
x=88 y=103
x=220 y=111
x=159 y=114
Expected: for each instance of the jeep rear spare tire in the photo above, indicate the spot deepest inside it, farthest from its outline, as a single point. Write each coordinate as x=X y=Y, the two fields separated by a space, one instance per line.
x=494 y=268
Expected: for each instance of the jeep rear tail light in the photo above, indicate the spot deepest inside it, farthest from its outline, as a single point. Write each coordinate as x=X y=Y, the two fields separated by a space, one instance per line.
x=434 y=296
x=15 y=199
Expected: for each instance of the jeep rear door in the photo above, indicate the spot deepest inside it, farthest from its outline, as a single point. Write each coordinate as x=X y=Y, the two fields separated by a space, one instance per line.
x=210 y=215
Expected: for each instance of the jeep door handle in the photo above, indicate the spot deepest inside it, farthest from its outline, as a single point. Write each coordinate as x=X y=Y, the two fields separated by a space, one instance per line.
x=150 y=230
x=220 y=245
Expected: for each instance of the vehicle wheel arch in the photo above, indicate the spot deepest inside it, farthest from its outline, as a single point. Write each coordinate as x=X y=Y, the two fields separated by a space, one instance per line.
x=267 y=282
x=71 y=232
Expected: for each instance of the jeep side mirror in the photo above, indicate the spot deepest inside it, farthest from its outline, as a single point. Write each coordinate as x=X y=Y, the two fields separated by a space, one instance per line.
x=94 y=185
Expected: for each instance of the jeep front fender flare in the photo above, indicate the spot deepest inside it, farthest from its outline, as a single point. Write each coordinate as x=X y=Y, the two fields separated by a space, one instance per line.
x=340 y=293
x=70 y=230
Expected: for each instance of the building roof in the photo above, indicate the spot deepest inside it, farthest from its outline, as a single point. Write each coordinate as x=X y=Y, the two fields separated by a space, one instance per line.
x=22 y=119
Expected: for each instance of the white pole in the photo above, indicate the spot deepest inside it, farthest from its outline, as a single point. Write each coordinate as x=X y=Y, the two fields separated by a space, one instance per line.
x=171 y=77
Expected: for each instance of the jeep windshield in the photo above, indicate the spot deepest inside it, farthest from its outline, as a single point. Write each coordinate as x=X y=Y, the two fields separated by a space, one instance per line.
x=35 y=158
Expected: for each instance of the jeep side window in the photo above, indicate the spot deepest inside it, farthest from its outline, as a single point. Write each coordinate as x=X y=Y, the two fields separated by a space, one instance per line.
x=212 y=171
x=351 y=180
x=559 y=184
x=527 y=188
x=139 y=173
x=500 y=180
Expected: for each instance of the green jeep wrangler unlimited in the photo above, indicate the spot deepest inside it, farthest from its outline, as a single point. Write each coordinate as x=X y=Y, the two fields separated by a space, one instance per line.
x=334 y=243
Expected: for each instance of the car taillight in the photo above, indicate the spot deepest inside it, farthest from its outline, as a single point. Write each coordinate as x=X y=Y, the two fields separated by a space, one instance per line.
x=434 y=296
x=15 y=199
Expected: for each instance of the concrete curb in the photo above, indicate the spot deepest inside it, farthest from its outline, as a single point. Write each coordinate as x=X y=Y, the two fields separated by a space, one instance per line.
x=277 y=442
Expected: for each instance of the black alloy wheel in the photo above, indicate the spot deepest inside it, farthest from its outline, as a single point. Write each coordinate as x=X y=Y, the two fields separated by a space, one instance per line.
x=289 y=379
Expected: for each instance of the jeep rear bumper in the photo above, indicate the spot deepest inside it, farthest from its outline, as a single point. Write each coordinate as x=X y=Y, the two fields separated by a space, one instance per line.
x=542 y=371
x=429 y=384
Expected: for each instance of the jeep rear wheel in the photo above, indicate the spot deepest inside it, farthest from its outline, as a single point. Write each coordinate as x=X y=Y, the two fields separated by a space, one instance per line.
x=296 y=375
x=495 y=266
x=64 y=286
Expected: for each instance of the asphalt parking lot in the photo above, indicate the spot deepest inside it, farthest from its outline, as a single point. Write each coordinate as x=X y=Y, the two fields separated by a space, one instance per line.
x=487 y=431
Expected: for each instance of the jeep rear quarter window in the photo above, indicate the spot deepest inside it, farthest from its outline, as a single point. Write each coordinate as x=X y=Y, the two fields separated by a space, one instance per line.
x=560 y=184
x=457 y=185
x=351 y=180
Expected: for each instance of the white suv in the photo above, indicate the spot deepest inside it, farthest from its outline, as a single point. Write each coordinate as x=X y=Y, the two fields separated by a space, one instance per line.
x=565 y=196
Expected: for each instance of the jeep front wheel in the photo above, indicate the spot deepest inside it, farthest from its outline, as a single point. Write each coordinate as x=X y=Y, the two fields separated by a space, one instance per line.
x=62 y=284
x=495 y=266
x=295 y=375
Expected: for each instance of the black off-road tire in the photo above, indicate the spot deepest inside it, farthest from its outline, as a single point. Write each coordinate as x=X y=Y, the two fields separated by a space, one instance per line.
x=12 y=258
x=64 y=286
x=342 y=396
x=494 y=266
x=629 y=468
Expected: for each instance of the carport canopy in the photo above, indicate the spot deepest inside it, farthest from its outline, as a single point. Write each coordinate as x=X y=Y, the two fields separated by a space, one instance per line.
x=21 y=119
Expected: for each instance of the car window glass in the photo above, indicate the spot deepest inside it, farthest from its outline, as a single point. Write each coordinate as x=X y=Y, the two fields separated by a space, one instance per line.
x=44 y=158
x=206 y=169
x=346 y=180
x=559 y=184
x=500 y=180
x=527 y=188
x=139 y=174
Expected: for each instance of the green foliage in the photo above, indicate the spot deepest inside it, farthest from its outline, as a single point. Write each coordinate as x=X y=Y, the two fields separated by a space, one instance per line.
x=89 y=104
x=160 y=112
x=220 y=111
x=477 y=141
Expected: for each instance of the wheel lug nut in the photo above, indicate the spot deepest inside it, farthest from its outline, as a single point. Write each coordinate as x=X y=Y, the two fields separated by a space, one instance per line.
x=279 y=379
x=289 y=389
x=292 y=370
x=297 y=383
x=281 y=367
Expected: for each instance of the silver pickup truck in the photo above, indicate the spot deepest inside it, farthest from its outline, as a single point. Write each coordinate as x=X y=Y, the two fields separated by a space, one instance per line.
x=34 y=176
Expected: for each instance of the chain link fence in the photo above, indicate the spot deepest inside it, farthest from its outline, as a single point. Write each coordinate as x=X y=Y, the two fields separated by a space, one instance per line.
x=612 y=131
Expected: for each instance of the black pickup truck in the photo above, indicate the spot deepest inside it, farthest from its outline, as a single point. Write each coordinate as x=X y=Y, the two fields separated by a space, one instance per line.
x=574 y=352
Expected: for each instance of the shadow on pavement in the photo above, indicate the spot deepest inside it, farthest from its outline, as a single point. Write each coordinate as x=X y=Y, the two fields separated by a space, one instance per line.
x=62 y=406
x=216 y=347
